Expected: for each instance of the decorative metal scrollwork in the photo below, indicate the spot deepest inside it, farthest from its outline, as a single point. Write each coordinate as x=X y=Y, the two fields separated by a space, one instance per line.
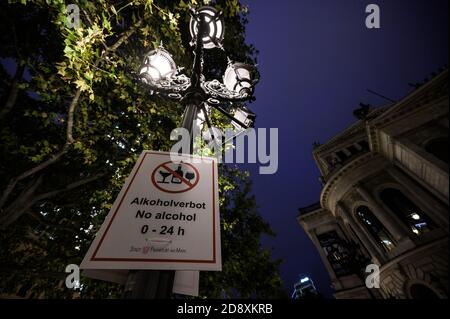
x=172 y=86
x=218 y=91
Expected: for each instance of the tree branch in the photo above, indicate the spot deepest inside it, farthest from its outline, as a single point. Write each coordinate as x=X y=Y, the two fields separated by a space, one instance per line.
x=67 y=188
x=39 y=218
x=73 y=104
x=70 y=122
x=13 y=182
x=125 y=37
x=13 y=91
x=69 y=140
x=19 y=207
x=21 y=204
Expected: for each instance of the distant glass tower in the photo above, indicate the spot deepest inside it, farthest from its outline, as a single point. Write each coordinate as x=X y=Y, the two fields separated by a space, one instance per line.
x=304 y=289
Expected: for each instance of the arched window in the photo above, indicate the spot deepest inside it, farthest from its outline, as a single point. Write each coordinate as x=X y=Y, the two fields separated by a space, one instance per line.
x=408 y=212
x=439 y=148
x=336 y=251
x=419 y=291
x=375 y=227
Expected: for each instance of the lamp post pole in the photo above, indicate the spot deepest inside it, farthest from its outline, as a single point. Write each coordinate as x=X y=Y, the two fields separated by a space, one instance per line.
x=206 y=29
x=158 y=284
x=194 y=95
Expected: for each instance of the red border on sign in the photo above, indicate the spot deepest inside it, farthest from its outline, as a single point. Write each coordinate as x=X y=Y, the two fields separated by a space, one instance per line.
x=94 y=258
x=181 y=177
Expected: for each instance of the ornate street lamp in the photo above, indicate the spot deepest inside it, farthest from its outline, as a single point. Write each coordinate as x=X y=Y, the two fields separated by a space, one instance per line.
x=161 y=75
x=214 y=31
x=158 y=67
x=240 y=77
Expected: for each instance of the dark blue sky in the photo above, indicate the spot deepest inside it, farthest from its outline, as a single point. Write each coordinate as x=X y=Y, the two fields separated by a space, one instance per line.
x=316 y=61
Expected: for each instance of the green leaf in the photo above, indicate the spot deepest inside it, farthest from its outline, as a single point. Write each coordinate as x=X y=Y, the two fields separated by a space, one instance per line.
x=82 y=85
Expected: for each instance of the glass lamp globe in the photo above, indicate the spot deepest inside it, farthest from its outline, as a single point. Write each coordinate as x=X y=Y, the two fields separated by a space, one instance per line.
x=243 y=115
x=240 y=76
x=158 y=65
x=214 y=29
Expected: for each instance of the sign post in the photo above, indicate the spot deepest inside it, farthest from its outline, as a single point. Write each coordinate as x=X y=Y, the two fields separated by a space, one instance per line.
x=166 y=217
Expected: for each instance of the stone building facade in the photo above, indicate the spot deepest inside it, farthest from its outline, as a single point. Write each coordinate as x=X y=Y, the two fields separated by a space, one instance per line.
x=385 y=199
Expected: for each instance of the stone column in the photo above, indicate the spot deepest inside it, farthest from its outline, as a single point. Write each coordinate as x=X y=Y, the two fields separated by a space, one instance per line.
x=369 y=243
x=345 y=227
x=389 y=221
x=437 y=212
x=346 y=152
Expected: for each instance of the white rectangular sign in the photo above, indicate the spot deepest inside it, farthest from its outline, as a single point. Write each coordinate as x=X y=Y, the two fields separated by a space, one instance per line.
x=165 y=217
x=186 y=282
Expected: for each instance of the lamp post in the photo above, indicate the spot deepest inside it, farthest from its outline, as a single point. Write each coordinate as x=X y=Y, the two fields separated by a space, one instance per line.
x=159 y=73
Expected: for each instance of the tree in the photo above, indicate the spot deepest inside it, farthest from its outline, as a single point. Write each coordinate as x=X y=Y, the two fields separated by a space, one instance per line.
x=247 y=271
x=73 y=122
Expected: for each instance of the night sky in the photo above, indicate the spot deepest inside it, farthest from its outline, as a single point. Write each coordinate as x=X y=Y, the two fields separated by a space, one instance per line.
x=317 y=59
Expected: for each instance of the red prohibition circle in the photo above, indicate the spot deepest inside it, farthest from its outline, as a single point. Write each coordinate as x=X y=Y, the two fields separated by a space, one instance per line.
x=163 y=165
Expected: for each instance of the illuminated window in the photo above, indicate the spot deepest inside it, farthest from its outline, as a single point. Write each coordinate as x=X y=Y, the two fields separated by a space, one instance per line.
x=375 y=227
x=336 y=252
x=408 y=212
